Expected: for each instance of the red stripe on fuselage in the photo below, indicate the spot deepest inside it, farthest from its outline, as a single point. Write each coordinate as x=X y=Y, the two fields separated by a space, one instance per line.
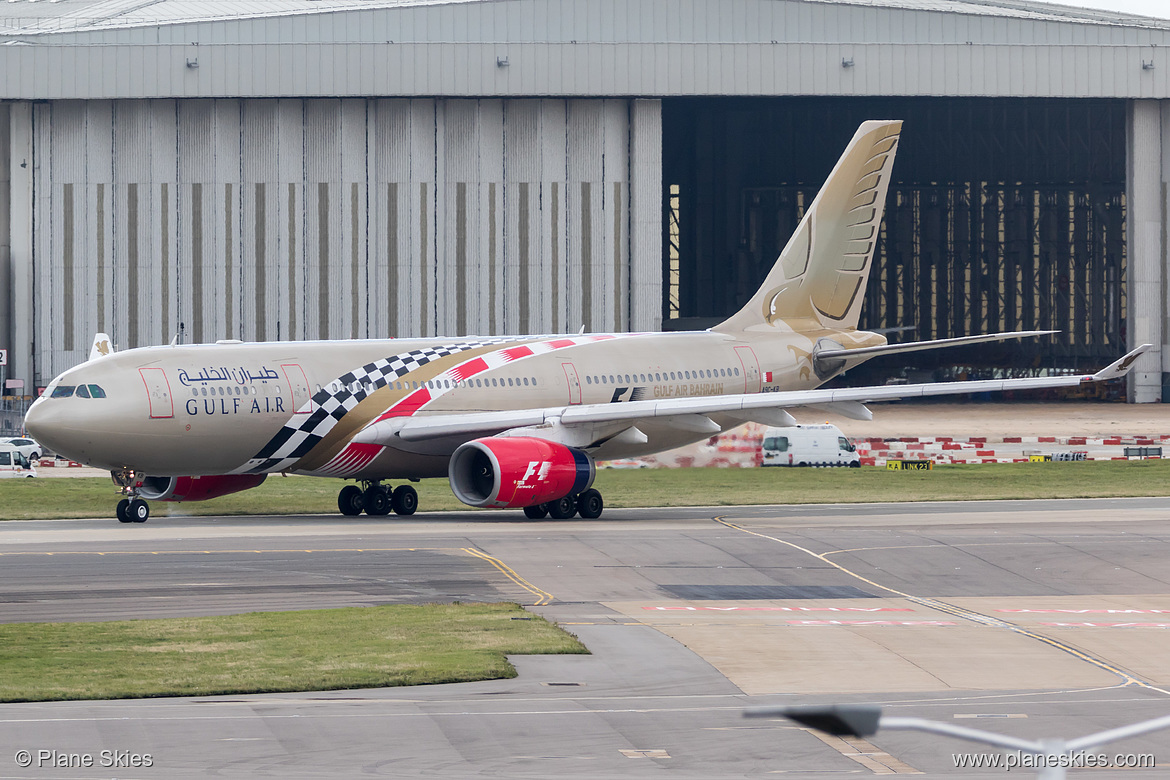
x=354 y=457
x=469 y=369
x=464 y=371
x=515 y=353
x=407 y=406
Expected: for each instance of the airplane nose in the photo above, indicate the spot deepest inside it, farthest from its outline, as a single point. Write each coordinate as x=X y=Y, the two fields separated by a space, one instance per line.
x=70 y=430
x=43 y=423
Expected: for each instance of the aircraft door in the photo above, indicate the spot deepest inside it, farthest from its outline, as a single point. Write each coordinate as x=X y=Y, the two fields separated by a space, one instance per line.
x=574 y=383
x=299 y=387
x=158 y=392
x=751 y=369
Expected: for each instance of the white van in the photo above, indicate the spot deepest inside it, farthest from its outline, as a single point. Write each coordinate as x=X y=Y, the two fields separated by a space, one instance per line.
x=13 y=463
x=808 y=445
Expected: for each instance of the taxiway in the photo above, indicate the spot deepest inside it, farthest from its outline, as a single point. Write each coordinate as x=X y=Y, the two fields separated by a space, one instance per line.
x=1037 y=618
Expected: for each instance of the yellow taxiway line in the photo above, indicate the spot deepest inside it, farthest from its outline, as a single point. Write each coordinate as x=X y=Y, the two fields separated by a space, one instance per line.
x=543 y=597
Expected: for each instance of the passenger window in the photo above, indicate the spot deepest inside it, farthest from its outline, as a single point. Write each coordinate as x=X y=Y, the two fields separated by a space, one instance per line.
x=63 y=391
x=82 y=391
x=844 y=444
x=5 y=459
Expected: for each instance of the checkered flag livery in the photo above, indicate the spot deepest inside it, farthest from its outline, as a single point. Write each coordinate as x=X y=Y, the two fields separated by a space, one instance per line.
x=301 y=433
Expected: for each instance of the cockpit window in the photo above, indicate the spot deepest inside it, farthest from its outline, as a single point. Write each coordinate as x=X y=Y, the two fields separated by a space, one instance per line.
x=95 y=391
x=63 y=391
x=82 y=391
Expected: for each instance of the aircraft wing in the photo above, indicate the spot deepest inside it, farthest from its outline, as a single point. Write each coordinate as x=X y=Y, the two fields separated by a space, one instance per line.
x=747 y=405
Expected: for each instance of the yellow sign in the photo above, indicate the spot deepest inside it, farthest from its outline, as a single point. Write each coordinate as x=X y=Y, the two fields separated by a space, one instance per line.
x=1039 y=458
x=910 y=465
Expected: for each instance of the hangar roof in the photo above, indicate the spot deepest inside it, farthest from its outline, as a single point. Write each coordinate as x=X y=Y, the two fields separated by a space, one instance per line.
x=512 y=20
x=236 y=48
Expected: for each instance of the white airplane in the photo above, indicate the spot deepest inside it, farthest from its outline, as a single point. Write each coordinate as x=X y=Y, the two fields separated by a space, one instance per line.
x=511 y=421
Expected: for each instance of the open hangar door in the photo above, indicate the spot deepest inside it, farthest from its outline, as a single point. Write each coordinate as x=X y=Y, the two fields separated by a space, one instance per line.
x=1004 y=214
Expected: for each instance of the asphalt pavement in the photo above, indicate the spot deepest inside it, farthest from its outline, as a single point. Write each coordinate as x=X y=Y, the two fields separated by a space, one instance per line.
x=1031 y=618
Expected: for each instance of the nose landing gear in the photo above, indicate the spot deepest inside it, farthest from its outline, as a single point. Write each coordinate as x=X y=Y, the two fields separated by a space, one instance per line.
x=376 y=499
x=131 y=509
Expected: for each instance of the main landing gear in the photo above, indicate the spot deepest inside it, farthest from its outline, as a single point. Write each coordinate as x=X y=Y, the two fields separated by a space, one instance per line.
x=376 y=499
x=131 y=509
x=588 y=505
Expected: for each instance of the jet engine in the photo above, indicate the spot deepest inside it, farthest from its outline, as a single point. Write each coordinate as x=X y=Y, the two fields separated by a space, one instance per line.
x=518 y=472
x=196 y=488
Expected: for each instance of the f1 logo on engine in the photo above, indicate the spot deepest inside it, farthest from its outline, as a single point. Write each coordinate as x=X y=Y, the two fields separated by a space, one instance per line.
x=537 y=470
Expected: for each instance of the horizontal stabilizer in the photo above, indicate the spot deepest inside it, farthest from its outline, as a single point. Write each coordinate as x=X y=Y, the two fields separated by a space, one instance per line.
x=917 y=346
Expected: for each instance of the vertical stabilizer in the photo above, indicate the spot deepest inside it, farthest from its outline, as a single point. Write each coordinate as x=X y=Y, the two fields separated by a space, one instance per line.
x=101 y=346
x=818 y=280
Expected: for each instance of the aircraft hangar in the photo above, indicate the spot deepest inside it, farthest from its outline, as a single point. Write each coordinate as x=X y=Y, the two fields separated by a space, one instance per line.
x=276 y=169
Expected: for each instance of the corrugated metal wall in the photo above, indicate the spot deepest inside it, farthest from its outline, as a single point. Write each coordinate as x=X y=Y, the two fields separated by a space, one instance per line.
x=342 y=218
x=50 y=71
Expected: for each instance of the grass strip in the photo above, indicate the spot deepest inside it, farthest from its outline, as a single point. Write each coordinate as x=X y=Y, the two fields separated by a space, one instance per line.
x=268 y=652
x=26 y=499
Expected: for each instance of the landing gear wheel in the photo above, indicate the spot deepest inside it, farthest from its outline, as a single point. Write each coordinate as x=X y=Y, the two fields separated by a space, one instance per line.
x=589 y=504
x=563 y=508
x=349 y=500
x=536 y=511
x=138 y=511
x=124 y=511
x=404 y=500
x=376 y=501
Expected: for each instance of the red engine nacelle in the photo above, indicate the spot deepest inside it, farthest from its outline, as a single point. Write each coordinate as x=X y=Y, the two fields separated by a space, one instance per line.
x=196 y=488
x=518 y=472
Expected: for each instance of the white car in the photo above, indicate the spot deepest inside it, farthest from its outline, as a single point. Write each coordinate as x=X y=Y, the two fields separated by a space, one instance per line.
x=25 y=446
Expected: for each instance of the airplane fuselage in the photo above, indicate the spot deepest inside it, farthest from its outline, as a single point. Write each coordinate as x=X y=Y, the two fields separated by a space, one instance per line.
x=221 y=408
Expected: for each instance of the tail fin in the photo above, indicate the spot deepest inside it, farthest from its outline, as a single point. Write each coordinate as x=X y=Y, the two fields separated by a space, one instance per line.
x=818 y=279
x=101 y=346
